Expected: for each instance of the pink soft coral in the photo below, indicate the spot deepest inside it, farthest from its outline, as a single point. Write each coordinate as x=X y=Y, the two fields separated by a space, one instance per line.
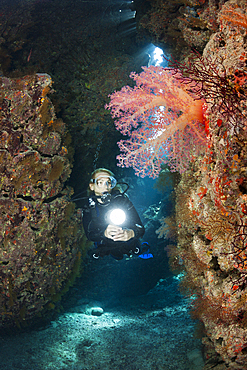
x=163 y=120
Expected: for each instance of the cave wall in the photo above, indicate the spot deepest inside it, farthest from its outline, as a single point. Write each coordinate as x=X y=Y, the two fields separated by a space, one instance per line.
x=41 y=237
x=211 y=208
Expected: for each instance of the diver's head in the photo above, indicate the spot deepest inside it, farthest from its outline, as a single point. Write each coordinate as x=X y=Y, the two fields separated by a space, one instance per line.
x=102 y=181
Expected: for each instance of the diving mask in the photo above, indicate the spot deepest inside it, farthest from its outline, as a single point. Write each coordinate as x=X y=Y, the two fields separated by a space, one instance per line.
x=105 y=181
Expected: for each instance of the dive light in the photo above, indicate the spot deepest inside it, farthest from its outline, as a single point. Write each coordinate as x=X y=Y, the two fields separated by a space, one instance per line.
x=117 y=216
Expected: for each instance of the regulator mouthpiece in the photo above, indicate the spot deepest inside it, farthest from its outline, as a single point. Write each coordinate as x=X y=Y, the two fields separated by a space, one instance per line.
x=105 y=197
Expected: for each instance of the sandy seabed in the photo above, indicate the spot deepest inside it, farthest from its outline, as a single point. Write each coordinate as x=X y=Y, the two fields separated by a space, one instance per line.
x=149 y=332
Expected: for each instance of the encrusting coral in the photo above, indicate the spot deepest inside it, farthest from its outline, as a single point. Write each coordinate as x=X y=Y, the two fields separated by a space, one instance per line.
x=41 y=238
x=212 y=226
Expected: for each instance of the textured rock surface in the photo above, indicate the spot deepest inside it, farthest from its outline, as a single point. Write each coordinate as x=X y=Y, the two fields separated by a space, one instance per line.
x=211 y=201
x=40 y=236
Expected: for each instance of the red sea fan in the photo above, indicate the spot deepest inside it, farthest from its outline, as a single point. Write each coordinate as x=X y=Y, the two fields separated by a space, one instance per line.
x=163 y=120
x=210 y=81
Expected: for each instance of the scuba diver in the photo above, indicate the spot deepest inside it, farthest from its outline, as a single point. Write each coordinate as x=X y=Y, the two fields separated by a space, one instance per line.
x=110 y=219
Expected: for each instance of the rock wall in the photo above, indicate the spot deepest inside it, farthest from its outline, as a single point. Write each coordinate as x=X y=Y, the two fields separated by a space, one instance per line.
x=211 y=205
x=41 y=238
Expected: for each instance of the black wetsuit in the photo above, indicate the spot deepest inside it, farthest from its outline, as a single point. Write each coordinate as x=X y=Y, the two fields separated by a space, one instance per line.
x=96 y=220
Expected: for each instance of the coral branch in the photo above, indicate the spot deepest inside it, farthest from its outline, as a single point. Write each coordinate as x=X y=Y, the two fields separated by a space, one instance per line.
x=210 y=82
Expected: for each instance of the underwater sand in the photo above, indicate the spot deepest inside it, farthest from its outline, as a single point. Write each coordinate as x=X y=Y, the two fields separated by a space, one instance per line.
x=149 y=332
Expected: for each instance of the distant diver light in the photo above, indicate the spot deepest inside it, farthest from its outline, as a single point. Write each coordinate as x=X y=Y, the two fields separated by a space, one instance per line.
x=158 y=56
x=117 y=216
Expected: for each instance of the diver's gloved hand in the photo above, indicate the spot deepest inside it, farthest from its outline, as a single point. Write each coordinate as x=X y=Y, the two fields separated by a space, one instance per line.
x=116 y=233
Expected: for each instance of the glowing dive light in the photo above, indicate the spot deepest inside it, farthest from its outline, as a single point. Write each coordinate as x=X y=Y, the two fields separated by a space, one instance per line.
x=117 y=216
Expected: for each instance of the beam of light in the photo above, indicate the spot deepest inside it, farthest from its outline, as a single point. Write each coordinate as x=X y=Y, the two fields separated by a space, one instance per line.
x=158 y=56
